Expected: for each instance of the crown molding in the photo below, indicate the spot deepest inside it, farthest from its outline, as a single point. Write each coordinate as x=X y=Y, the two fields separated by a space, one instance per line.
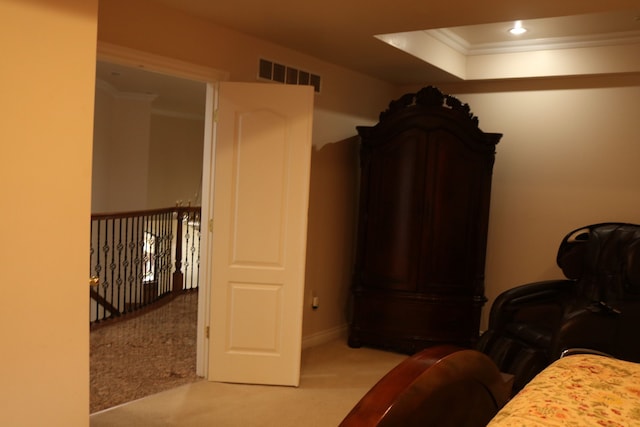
x=457 y=43
x=176 y=114
x=135 y=58
x=138 y=96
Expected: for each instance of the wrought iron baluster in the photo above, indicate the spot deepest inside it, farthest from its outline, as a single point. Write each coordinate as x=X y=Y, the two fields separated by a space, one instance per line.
x=119 y=281
x=164 y=250
x=136 y=264
x=186 y=264
x=189 y=249
x=177 y=274
x=174 y=269
x=112 y=264
x=128 y=264
x=98 y=267
x=92 y=273
x=157 y=255
x=144 y=256
x=140 y=257
x=105 y=260
x=197 y=248
x=160 y=243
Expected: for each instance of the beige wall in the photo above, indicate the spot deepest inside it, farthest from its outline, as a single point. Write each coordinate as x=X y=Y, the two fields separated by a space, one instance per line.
x=175 y=161
x=565 y=159
x=348 y=99
x=121 y=140
x=331 y=235
x=102 y=131
x=129 y=153
x=47 y=79
x=143 y=159
x=568 y=158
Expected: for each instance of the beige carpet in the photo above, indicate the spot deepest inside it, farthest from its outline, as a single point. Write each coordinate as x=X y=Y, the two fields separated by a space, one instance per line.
x=144 y=355
x=334 y=377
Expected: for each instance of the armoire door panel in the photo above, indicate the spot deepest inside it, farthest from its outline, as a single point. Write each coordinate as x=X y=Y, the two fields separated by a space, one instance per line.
x=457 y=198
x=395 y=206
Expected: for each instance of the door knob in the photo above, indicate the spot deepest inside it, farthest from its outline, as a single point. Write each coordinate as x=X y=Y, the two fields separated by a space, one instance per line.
x=94 y=281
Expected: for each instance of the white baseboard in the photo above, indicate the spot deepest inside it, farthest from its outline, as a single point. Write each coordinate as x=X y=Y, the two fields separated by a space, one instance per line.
x=325 y=336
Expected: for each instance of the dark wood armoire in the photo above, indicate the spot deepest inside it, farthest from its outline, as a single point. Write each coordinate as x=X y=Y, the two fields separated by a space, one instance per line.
x=422 y=225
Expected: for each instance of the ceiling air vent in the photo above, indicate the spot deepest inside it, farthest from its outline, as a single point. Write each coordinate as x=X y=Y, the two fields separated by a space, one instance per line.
x=272 y=71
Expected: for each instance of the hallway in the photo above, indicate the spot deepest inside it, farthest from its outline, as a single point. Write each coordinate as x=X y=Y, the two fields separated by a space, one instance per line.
x=144 y=355
x=333 y=378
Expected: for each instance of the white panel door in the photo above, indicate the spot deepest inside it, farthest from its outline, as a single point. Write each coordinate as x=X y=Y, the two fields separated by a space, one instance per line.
x=261 y=190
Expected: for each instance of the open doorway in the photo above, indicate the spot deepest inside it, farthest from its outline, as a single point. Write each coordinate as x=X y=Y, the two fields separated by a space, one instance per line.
x=291 y=163
x=148 y=155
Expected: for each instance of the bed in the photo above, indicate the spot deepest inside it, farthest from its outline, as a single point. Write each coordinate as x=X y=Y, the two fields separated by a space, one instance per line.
x=448 y=386
x=581 y=390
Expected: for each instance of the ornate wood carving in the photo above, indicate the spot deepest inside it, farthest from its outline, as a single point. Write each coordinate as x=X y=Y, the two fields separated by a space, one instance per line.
x=430 y=96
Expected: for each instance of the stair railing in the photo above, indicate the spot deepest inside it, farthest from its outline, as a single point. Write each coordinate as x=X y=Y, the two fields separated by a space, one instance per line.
x=138 y=258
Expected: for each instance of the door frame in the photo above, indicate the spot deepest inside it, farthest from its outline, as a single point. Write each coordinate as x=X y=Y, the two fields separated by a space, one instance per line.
x=173 y=67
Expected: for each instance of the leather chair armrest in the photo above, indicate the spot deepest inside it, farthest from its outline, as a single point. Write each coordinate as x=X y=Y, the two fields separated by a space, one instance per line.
x=509 y=302
x=585 y=328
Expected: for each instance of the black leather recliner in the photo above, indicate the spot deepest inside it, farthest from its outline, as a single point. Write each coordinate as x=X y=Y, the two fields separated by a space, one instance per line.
x=596 y=307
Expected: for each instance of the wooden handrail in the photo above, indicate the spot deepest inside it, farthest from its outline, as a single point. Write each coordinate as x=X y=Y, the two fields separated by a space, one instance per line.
x=147 y=212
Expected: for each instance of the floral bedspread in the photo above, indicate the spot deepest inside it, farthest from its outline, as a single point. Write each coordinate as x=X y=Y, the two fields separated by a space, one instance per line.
x=579 y=390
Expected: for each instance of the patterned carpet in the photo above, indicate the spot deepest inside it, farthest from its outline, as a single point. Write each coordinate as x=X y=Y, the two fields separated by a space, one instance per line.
x=144 y=355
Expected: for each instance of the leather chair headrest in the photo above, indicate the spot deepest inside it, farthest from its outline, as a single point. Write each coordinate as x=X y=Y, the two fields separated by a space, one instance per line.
x=604 y=258
x=571 y=252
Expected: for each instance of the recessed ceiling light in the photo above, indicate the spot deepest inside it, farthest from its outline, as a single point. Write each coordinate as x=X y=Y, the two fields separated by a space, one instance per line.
x=517 y=29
